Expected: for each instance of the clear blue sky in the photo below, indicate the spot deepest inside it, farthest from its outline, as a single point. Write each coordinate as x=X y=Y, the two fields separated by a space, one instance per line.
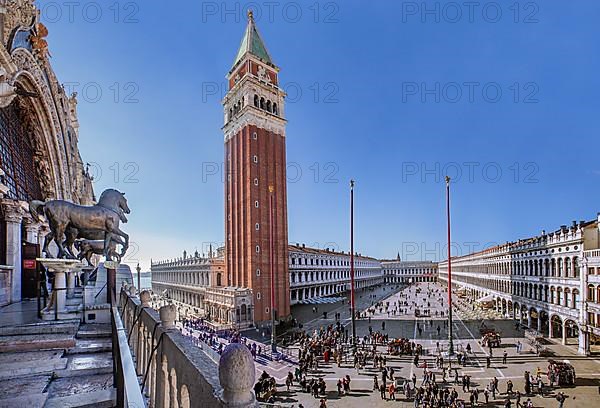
x=367 y=73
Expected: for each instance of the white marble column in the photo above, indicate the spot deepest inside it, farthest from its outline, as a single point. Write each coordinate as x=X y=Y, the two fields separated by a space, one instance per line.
x=60 y=282
x=584 y=342
x=70 y=284
x=61 y=268
x=32 y=230
x=13 y=216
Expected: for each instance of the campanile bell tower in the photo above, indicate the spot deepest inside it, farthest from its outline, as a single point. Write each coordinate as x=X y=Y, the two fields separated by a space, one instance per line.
x=255 y=184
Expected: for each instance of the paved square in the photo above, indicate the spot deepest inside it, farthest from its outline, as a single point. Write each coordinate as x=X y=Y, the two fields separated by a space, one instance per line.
x=466 y=331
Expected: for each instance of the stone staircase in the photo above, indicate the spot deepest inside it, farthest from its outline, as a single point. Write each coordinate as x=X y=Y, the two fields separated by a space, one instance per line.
x=56 y=365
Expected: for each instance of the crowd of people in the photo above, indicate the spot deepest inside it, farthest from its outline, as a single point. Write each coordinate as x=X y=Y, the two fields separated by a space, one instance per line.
x=372 y=354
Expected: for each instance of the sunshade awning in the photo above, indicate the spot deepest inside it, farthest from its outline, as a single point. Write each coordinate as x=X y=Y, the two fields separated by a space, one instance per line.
x=486 y=299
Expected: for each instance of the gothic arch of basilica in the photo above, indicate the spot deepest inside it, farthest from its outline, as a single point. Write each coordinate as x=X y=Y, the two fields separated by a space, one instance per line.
x=39 y=134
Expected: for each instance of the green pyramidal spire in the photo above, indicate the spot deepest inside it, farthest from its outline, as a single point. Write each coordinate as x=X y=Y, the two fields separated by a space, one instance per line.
x=252 y=43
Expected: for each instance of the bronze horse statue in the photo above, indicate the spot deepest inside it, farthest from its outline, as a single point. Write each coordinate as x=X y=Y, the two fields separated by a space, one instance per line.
x=88 y=248
x=101 y=220
x=73 y=234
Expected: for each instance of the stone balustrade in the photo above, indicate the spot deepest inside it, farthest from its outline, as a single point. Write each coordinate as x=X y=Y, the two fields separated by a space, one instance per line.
x=178 y=373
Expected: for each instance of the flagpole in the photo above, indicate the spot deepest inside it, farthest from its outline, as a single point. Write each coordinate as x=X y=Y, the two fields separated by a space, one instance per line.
x=352 y=305
x=450 y=340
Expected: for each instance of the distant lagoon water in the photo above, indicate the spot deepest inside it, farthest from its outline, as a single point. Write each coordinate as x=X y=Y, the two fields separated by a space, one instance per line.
x=145 y=280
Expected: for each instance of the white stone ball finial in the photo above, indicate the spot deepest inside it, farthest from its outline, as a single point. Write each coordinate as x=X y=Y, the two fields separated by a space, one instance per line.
x=168 y=314
x=145 y=298
x=237 y=375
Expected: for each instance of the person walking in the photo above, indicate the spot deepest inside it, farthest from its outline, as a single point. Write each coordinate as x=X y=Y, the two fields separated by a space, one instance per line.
x=561 y=399
x=392 y=391
x=382 y=392
x=504 y=356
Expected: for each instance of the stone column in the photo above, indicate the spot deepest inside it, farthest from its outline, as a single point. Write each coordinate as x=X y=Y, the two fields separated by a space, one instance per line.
x=521 y=315
x=70 y=284
x=13 y=216
x=549 y=325
x=32 y=230
x=564 y=332
x=61 y=268
x=528 y=319
x=60 y=282
x=539 y=319
x=584 y=342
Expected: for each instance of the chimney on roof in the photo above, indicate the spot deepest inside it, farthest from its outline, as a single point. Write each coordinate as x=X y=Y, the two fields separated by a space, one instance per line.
x=574 y=224
x=298 y=245
x=303 y=246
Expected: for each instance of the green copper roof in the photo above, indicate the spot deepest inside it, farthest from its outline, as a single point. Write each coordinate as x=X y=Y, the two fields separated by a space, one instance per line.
x=252 y=43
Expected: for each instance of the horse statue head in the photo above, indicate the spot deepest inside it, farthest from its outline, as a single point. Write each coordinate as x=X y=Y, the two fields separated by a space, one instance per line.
x=116 y=201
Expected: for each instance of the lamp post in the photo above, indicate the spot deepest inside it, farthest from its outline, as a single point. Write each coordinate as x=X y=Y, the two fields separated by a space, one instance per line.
x=272 y=267
x=352 y=306
x=450 y=342
x=139 y=280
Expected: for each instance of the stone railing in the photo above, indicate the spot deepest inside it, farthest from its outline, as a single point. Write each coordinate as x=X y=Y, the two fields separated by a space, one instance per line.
x=592 y=253
x=176 y=373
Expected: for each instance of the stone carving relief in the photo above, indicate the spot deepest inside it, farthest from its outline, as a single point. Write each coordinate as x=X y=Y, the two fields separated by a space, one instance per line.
x=17 y=13
x=58 y=162
x=8 y=91
x=263 y=75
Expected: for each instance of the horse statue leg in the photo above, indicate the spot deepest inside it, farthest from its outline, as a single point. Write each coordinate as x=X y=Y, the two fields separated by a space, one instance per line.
x=47 y=240
x=59 y=239
x=71 y=236
x=107 y=239
x=118 y=232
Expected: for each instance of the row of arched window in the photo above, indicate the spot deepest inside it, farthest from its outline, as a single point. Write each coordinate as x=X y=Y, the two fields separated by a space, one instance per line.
x=261 y=103
x=314 y=276
x=235 y=109
x=558 y=267
x=544 y=293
